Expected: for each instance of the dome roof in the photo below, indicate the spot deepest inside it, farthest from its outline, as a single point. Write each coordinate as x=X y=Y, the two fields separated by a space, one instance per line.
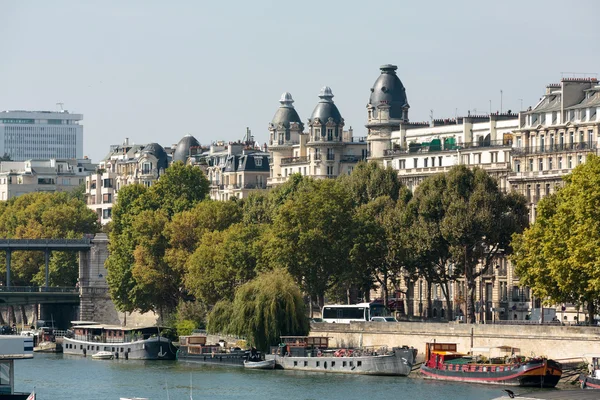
x=286 y=112
x=157 y=151
x=388 y=89
x=182 y=151
x=326 y=109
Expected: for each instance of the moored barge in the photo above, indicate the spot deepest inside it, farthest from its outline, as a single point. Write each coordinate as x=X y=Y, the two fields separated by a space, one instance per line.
x=443 y=362
x=129 y=343
x=311 y=353
x=194 y=348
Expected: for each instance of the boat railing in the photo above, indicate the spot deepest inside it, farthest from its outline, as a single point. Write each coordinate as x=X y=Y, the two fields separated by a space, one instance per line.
x=102 y=339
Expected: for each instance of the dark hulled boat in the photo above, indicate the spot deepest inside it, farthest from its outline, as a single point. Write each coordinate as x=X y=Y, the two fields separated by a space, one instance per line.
x=194 y=348
x=443 y=362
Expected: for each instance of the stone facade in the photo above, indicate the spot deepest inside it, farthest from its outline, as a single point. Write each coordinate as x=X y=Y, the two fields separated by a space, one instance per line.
x=325 y=151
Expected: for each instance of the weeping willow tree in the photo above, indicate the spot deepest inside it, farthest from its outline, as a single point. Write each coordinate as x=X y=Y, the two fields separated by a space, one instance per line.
x=264 y=309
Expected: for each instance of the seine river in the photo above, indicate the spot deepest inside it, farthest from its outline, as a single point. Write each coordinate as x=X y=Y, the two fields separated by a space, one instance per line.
x=58 y=377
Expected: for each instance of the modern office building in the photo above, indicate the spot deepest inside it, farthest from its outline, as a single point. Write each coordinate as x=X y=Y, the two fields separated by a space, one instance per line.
x=28 y=135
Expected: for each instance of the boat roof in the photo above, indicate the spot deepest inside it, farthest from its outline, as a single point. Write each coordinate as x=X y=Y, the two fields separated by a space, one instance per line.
x=117 y=327
x=73 y=323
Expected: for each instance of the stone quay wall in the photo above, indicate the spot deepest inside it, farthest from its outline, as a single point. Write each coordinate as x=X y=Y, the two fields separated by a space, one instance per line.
x=556 y=342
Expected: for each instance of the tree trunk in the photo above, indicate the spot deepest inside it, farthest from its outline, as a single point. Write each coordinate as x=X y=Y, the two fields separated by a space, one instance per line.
x=446 y=290
x=310 y=307
x=591 y=312
x=428 y=299
x=384 y=288
x=23 y=316
x=470 y=301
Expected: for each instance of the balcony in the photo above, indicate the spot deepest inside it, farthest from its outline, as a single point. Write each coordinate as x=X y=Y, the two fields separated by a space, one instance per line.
x=444 y=147
x=351 y=159
x=284 y=143
x=330 y=157
x=295 y=160
x=358 y=139
x=554 y=148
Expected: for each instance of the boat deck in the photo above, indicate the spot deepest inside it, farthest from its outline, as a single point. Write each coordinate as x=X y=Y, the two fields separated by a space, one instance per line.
x=585 y=394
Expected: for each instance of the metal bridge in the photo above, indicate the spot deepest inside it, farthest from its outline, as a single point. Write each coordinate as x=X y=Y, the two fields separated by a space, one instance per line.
x=24 y=295
x=45 y=245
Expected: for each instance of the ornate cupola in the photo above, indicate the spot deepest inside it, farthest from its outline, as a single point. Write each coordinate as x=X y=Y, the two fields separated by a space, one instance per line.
x=286 y=126
x=326 y=122
x=387 y=110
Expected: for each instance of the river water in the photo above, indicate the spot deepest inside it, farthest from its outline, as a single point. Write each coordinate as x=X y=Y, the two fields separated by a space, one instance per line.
x=60 y=377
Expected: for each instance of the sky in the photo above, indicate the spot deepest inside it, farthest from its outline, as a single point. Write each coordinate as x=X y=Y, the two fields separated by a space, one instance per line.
x=154 y=71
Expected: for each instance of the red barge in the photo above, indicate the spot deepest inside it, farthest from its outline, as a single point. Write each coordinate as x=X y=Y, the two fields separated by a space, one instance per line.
x=443 y=362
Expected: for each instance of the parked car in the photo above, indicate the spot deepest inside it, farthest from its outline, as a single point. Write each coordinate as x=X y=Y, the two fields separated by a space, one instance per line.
x=383 y=319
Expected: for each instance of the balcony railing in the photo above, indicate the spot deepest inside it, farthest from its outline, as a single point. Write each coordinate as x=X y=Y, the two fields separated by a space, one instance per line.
x=295 y=160
x=555 y=148
x=330 y=157
x=415 y=148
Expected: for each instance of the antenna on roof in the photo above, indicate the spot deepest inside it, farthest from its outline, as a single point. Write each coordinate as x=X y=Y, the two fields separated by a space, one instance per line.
x=61 y=106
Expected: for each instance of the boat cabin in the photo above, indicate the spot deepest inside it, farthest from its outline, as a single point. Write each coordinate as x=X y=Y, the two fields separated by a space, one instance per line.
x=12 y=348
x=436 y=354
x=113 y=333
x=300 y=346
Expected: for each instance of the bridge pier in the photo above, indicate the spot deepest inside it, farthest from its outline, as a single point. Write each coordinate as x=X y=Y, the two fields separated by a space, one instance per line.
x=47 y=261
x=8 y=268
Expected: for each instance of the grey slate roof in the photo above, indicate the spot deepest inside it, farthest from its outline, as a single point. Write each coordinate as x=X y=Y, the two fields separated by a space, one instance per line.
x=326 y=108
x=389 y=89
x=157 y=151
x=183 y=148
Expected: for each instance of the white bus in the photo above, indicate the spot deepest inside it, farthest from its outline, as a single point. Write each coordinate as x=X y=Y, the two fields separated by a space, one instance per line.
x=345 y=313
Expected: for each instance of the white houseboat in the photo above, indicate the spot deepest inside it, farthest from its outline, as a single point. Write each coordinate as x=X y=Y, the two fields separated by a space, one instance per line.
x=130 y=343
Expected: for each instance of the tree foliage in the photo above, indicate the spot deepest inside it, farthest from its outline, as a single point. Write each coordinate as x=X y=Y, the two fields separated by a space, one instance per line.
x=264 y=309
x=559 y=255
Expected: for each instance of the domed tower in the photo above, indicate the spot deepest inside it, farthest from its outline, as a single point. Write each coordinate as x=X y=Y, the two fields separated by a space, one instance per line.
x=182 y=151
x=387 y=109
x=285 y=130
x=326 y=122
x=325 y=135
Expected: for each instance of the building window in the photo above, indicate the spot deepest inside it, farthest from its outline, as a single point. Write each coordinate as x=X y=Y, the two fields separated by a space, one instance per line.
x=559 y=162
x=440 y=161
x=93 y=199
x=531 y=164
x=425 y=162
x=547 y=189
x=518 y=166
x=106 y=198
x=329 y=134
x=107 y=213
x=570 y=162
x=579 y=159
x=258 y=161
x=146 y=168
x=550 y=163
x=415 y=161
x=528 y=193
x=537 y=192
x=540 y=164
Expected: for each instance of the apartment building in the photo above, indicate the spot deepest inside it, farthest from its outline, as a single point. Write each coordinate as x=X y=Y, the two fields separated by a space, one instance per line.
x=326 y=150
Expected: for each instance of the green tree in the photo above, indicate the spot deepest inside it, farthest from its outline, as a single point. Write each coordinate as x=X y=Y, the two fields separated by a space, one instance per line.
x=223 y=261
x=264 y=309
x=559 y=255
x=475 y=220
x=311 y=235
x=45 y=216
x=179 y=189
x=369 y=181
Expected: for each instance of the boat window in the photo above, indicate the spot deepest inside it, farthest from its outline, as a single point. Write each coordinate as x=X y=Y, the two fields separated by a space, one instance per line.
x=358 y=363
x=98 y=348
x=128 y=350
x=122 y=349
x=325 y=365
x=318 y=363
x=295 y=363
x=306 y=363
x=343 y=363
x=80 y=347
x=351 y=363
x=332 y=364
x=113 y=349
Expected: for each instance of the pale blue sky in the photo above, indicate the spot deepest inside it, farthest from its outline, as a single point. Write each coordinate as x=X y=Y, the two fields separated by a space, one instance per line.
x=157 y=70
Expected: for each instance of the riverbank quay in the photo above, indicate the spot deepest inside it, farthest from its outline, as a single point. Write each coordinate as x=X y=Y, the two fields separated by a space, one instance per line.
x=561 y=343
